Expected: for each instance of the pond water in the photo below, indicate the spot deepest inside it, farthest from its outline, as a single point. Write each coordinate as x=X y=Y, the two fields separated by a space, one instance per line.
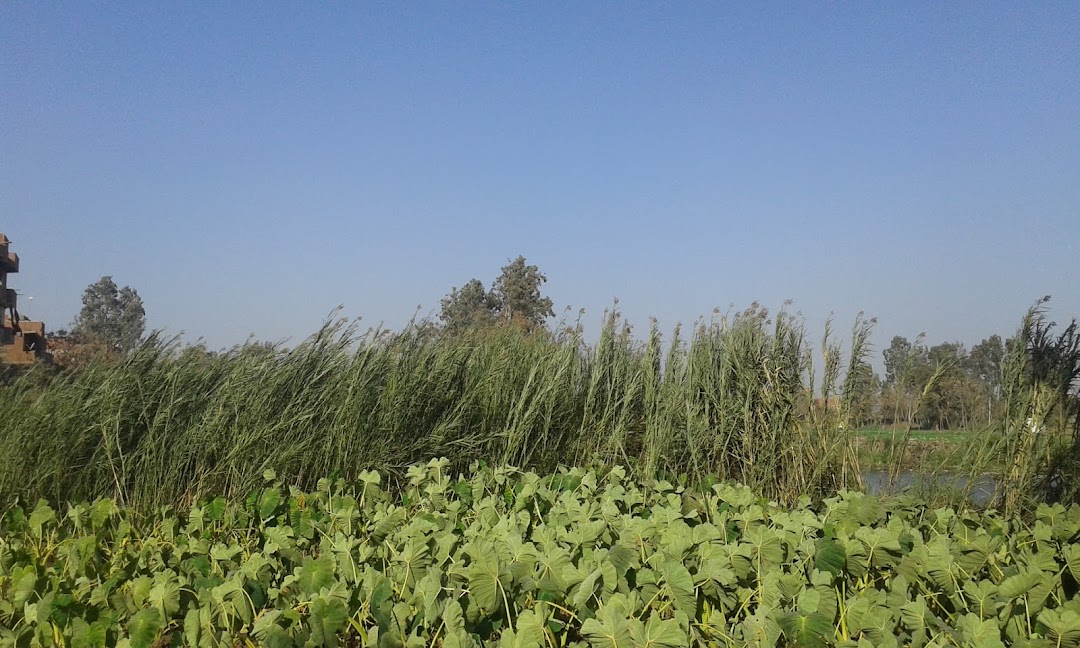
x=982 y=488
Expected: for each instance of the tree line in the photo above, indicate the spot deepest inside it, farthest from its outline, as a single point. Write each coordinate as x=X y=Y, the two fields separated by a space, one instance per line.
x=945 y=386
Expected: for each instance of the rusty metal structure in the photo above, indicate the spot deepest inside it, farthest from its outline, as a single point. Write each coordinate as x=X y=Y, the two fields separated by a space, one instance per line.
x=22 y=342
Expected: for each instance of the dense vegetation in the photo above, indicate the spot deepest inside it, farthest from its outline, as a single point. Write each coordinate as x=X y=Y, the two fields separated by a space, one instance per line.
x=165 y=424
x=730 y=401
x=515 y=559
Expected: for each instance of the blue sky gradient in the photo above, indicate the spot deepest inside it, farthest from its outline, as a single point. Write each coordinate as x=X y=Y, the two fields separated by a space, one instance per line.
x=250 y=166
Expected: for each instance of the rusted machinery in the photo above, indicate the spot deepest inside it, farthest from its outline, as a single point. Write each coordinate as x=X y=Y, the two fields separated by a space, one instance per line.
x=21 y=341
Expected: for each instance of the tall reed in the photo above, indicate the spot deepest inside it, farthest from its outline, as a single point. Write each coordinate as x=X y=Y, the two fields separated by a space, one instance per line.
x=730 y=399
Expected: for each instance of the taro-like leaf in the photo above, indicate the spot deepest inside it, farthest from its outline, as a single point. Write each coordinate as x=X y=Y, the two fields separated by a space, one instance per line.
x=528 y=634
x=812 y=630
x=976 y=552
x=556 y=571
x=830 y=556
x=915 y=615
x=277 y=538
x=808 y=600
x=761 y=629
x=658 y=633
x=215 y=509
x=143 y=628
x=882 y=545
x=327 y=618
x=483 y=574
x=681 y=585
x=25 y=581
x=1019 y=584
x=766 y=550
x=979 y=632
x=1062 y=627
x=609 y=629
x=232 y=600
x=314 y=575
x=269 y=502
x=939 y=564
x=264 y=623
x=587 y=589
x=165 y=594
x=91 y=635
x=1071 y=554
x=982 y=597
x=192 y=627
x=42 y=515
x=101 y=511
x=866 y=509
x=388 y=523
x=221 y=552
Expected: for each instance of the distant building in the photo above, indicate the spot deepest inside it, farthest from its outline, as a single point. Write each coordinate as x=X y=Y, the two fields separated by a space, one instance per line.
x=21 y=341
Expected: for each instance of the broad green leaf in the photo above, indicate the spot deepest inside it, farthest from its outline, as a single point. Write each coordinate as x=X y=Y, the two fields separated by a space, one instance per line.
x=165 y=595
x=610 y=629
x=766 y=550
x=681 y=586
x=215 y=509
x=528 y=634
x=658 y=633
x=1062 y=627
x=42 y=515
x=980 y=633
x=809 y=630
x=1018 y=585
x=93 y=635
x=269 y=502
x=314 y=575
x=483 y=574
x=143 y=628
x=830 y=557
x=327 y=620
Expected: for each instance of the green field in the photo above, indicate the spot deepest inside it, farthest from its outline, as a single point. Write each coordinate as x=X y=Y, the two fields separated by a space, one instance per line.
x=509 y=558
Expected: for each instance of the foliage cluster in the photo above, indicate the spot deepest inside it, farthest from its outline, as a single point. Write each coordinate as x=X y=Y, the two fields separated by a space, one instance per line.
x=510 y=558
x=966 y=391
x=111 y=316
x=514 y=299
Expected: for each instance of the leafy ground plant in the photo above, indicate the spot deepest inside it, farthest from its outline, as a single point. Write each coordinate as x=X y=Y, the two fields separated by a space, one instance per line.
x=510 y=558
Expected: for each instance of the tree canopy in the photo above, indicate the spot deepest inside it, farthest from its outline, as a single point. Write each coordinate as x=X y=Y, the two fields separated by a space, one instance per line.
x=514 y=298
x=111 y=315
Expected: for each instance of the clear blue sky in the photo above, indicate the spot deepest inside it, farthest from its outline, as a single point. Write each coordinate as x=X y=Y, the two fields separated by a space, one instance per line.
x=249 y=166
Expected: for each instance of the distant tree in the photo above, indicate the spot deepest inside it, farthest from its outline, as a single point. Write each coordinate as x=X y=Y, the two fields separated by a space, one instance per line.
x=111 y=315
x=471 y=306
x=907 y=371
x=953 y=398
x=984 y=363
x=517 y=291
x=514 y=299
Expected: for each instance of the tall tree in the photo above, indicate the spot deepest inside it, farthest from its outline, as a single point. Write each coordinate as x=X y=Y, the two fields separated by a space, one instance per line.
x=984 y=364
x=954 y=397
x=111 y=315
x=907 y=370
x=514 y=298
x=518 y=293
x=471 y=306
x=984 y=361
